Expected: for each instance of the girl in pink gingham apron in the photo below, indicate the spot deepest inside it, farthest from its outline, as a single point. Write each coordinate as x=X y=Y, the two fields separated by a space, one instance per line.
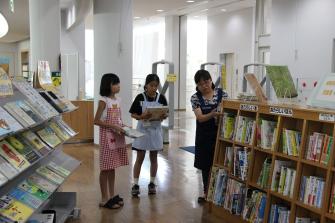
x=113 y=152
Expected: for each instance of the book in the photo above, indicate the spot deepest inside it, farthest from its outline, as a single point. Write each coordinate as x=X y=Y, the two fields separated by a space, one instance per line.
x=34 y=190
x=279 y=214
x=25 y=198
x=24 y=149
x=256 y=87
x=3 y=179
x=312 y=189
x=19 y=114
x=241 y=162
x=322 y=95
x=132 y=133
x=50 y=175
x=49 y=137
x=7 y=123
x=66 y=127
x=42 y=183
x=50 y=101
x=220 y=187
x=58 y=169
x=29 y=110
x=13 y=157
x=228 y=160
x=60 y=132
x=235 y=197
x=267 y=134
x=6 y=88
x=245 y=130
x=276 y=175
x=68 y=104
x=291 y=141
x=254 y=208
x=14 y=210
x=319 y=147
x=157 y=112
x=6 y=169
x=35 y=141
x=228 y=125
x=264 y=174
x=56 y=100
x=211 y=186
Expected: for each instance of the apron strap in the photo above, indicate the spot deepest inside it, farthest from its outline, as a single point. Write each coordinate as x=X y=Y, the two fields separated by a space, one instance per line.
x=158 y=96
x=144 y=96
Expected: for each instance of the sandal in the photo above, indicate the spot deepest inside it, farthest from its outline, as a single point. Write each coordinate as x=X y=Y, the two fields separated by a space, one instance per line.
x=102 y=203
x=112 y=204
x=119 y=200
x=201 y=200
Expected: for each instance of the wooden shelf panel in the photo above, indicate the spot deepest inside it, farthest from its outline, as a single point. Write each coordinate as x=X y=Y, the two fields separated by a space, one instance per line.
x=222 y=167
x=237 y=178
x=282 y=155
x=313 y=163
x=270 y=152
x=225 y=214
x=281 y=196
x=242 y=144
x=308 y=207
x=330 y=216
x=226 y=140
x=258 y=187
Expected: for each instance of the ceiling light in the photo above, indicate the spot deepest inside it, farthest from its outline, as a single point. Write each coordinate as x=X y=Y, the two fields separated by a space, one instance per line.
x=204 y=10
x=223 y=10
x=3 y=26
x=159 y=10
x=196 y=16
x=189 y=1
x=137 y=17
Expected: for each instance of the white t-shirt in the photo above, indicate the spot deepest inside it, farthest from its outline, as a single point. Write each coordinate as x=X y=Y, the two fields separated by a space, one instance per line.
x=110 y=103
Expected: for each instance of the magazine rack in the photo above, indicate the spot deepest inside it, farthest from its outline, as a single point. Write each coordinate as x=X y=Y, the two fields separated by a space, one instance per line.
x=305 y=120
x=63 y=203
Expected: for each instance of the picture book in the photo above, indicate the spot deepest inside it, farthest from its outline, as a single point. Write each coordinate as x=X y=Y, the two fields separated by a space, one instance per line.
x=3 y=179
x=19 y=114
x=7 y=123
x=157 y=112
x=60 y=132
x=36 y=142
x=6 y=169
x=13 y=157
x=14 y=209
x=25 y=198
x=58 y=169
x=49 y=137
x=29 y=110
x=44 y=76
x=40 y=182
x=34 y=190
x=51 y=102
x=281 y=81
x=68 y=106
x=56 y=100
x=132 y=133
x=50 y=175
x=28 y=152
x=324 y=94
x=66 y=127
x=6 y=87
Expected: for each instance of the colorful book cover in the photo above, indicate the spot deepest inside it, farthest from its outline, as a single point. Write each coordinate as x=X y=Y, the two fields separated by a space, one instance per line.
x=49 y=137
x=42 y=183
x=61 y=133
x=6 y=169
x=14 y=209
x=7 y=123
x=34 y=190
x=25 y=198
x=13 y=157
x=36 y=142
x=50 y=175
x=58 y=169
x=23 y=149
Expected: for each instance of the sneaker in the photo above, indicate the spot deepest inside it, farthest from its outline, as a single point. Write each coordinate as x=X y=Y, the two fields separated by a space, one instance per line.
x=151 y=188
x=135 y=190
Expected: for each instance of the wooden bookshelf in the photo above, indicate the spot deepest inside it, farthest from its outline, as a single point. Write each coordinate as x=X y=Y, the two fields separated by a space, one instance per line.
x=291 y=117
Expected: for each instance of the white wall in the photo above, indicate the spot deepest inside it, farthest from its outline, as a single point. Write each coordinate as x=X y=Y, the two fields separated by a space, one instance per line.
x=302 y=36
x=231 y=32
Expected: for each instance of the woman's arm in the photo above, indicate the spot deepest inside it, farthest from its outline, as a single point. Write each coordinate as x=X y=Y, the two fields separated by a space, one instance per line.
x=98 y=122
x=204 y=118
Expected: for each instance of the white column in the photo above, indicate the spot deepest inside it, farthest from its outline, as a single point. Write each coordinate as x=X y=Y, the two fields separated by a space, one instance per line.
x=44 y=32
x=113 y=50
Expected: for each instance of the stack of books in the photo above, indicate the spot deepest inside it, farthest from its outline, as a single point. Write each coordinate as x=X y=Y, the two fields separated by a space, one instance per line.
x=283 y=178
x=263 y=178
x=245 y=130
x=291 y=142
x=319 y=148
x=311 y=190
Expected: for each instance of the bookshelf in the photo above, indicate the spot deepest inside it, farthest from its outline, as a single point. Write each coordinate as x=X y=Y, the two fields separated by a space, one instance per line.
x=64 y=203
x=293 y=126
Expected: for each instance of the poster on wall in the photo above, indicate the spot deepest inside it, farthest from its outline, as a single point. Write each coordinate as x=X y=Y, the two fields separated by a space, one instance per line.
x=324 y=93
x=56 y=78
x=7 y=63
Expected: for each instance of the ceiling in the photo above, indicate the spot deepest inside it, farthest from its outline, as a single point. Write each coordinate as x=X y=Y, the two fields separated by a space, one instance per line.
x=19 y=25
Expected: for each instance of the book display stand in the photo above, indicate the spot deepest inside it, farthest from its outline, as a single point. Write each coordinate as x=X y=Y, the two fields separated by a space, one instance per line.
x=273 y=163
x=32 y=163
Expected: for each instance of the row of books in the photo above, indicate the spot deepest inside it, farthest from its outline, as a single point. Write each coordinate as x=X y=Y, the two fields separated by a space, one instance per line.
x=20 y=151
x=263 y=178
x=21 y=202
x=228 y=125
x=255 y=206
x=279 y=214
x=283 y=178
x=291 y=142
x=266 y=134
x=319 y=148
x=241 y=162
x=311 y=190
x=306 y=220
x=245 y=130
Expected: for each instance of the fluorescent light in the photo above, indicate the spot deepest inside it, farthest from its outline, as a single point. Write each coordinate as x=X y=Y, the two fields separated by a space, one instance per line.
x=190 y=1
x=137 y=17
x=3 y=26
x=196 y=16
x=204 y=10
x=159 y=10
x=223 y=10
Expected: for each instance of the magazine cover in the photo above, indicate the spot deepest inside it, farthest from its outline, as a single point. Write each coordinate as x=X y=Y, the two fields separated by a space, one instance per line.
x=25 y=198
x=13 y=157
x=29 y=110
x=42 y=183
x=50 y=175
x=19 y=114
x=14 y=209
x=61 y=133
x=58 y=169
x=36 y=142
x=66 y=127
x=23 y=149
x=49 y=137
x=34 y=190
x=7 y=123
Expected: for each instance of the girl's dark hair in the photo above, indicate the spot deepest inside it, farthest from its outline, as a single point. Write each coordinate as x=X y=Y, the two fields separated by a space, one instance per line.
x=202 y=75
x=151 y=78
x=107 y=81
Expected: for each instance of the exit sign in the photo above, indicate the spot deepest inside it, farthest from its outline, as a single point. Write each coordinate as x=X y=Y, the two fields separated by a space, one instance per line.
x=11 y=5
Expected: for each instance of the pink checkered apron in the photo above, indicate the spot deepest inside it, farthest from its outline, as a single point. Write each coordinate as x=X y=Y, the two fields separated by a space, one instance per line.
x=113 y=151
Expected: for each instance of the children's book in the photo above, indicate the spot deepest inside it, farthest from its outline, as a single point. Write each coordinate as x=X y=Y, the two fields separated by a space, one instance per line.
x=49 y=137
x=60 y=132
x=3 y=179
x=34 y=190
x=7 y=123
x=58 y=169
x=25 y=198
x=50 y=101
x=50 y=175
x=43 y=183
x=6 y=169
x=36 y=142
x=17 y=143
x=14 y=210
x=13 y=157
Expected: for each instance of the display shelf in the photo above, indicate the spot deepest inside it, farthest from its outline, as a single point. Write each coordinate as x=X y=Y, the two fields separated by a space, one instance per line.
x=222 y=167
x=254 y=185
x=267 y=151
x=330 y=216
x=313 y=163
x=236 y=178
x=226 y=140
x=281 y=196
x=282 y=155
x=308 y=207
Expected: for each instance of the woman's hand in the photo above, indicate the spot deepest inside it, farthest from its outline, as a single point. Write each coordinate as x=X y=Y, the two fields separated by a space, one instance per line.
x=163 y=116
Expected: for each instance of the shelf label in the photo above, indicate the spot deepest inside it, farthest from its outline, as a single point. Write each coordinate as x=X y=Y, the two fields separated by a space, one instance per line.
x=247 y=107
x=281 y=111
x=327 y=117
x=171 y=78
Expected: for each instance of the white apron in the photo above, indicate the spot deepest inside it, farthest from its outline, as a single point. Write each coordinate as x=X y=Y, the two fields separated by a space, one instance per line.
x=153 y=139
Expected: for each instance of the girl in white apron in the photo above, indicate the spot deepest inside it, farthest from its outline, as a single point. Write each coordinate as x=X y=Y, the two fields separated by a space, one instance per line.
x=153 y=139
x=113 y=152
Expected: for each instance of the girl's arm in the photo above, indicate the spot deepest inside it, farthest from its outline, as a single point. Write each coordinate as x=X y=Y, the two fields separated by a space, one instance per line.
x=144 y=116
x=203 y=118
x=98 y=122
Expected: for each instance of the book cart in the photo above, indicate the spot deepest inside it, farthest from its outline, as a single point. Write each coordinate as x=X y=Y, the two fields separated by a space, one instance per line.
x=64 y=203
x=299 y=202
